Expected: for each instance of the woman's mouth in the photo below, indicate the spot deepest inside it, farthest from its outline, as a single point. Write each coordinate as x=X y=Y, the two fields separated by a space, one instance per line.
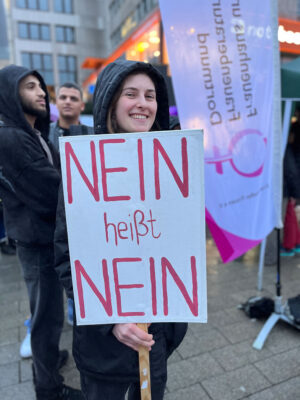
x=138 y=116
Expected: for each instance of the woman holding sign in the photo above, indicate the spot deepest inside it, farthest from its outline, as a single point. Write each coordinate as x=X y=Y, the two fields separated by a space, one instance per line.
x=129 y=97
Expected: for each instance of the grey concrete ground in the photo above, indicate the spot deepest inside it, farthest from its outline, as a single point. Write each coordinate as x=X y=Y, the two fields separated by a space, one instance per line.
x=216 y=361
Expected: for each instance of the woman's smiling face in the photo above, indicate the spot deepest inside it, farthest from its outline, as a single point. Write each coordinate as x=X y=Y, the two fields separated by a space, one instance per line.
x=136 y=108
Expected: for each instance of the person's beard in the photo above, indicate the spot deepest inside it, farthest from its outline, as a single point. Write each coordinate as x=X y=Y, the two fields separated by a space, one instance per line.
x=29 y=109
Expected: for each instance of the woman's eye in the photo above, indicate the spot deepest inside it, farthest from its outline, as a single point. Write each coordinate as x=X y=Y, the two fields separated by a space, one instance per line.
x=129 y=94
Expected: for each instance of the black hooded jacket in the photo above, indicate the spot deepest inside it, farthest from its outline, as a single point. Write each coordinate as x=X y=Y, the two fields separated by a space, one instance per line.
x=96 y=350
x=28 y=181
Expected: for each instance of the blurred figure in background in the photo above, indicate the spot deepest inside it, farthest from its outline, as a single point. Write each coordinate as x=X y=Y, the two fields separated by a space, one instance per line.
x=291 y=192
x=69 y=105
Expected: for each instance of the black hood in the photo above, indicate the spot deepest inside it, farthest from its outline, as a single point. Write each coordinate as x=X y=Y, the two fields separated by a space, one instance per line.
x=10 y=103
x=108 y=83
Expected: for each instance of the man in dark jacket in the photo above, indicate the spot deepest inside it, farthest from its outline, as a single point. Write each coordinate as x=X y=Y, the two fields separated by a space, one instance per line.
x=70 y=105
x=29 y=182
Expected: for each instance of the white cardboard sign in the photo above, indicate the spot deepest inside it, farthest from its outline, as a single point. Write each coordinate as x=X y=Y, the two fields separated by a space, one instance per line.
x=136 y=226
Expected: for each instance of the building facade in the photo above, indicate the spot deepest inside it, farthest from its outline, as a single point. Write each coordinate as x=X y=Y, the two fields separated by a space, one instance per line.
x=127 y=17
x=4 y=47
x=74 y=39
x=135 y=32
x=55 y=36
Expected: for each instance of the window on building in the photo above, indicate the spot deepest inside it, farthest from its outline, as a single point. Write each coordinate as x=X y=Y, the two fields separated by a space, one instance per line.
x=42 y=63
x=21 y=3
x=33 y=4
x=45 y=32
x=28 y=30
x=23 y=30
x=116 y=38
x=65 y=34
x=141 y=11
x=43 y=5
x=34 y=31
x=145 y=6
x=114 y=7
x=67 y=69
x=63 y=6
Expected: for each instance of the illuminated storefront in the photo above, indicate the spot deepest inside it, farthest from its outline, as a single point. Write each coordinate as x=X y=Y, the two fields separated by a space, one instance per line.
x=147 y=48
x=144 y=44
x=289 y=35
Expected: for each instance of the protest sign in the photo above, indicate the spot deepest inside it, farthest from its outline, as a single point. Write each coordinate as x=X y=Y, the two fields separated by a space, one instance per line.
x=225 y=70
x=135 y=218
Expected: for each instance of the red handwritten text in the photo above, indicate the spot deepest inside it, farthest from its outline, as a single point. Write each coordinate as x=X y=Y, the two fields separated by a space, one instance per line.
x=104 y=153
x=137 y=226
x=106 y=301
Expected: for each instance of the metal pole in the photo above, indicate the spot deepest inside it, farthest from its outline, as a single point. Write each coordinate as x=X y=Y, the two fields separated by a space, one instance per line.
x=278 y=283
x=261 y=264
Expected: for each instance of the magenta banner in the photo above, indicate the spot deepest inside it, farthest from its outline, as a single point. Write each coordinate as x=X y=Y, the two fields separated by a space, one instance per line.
x=224 y=62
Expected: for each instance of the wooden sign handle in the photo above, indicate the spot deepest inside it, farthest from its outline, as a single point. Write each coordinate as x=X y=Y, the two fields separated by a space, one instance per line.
x=144 y=363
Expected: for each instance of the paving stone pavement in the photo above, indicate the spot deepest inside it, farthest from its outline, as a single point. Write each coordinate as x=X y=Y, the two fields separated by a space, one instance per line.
x=216 y=361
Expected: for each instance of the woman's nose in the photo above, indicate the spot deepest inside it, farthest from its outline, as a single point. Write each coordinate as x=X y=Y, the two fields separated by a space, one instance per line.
x=141 y=101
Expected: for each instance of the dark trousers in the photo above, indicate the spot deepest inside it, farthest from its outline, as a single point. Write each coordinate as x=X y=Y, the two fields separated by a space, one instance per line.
x=95 y=389
x=47 y=316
